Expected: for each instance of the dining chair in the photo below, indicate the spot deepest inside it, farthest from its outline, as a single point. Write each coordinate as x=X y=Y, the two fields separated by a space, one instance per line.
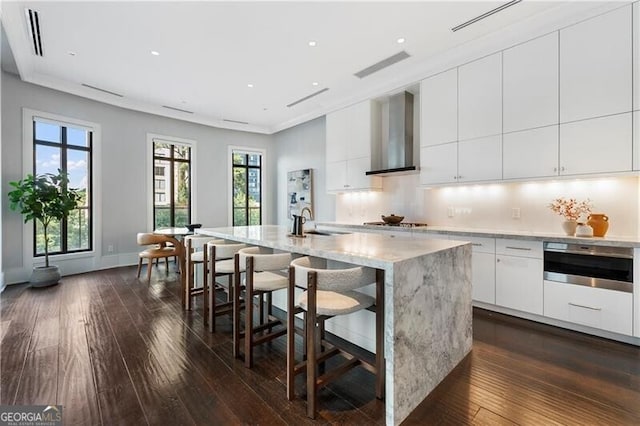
x=159 y=249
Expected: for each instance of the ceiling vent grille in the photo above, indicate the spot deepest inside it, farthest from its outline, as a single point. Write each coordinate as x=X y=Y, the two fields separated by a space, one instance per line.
x=400 y=56
x=234 y=121
x=33 y=22
x=103 y=90
x=177 y=109
x=484 y=15
x=306 y=98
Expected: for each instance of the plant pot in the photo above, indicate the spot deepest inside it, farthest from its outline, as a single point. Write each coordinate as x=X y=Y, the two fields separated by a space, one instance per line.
x=569 y=227
x=44 y=276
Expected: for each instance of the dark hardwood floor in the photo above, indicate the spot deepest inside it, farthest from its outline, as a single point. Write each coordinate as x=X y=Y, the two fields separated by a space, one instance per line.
x=114 y=350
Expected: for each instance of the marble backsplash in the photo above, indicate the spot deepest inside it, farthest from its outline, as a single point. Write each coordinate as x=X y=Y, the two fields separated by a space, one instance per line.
x=493 y=206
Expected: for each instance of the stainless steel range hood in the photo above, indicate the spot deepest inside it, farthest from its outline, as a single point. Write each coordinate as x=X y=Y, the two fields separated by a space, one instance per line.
x=397 y=148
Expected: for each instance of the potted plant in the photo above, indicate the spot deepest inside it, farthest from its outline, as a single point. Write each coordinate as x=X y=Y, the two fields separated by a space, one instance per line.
x=45 y=198
x=571 y=210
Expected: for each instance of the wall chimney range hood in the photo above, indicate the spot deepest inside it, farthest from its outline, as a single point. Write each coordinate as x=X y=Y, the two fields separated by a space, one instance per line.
x=397 y=148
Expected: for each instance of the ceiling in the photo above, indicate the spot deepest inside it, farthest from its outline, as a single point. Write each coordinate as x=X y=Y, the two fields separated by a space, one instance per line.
x=210 y=52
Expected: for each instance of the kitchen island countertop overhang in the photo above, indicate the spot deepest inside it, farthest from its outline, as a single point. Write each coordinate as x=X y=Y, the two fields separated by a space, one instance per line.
x=428 y=312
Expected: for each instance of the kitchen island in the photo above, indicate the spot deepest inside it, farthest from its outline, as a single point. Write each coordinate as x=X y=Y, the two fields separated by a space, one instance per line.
x=428 y=311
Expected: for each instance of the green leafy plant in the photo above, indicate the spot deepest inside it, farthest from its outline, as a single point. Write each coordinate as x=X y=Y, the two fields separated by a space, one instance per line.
x=44 y=198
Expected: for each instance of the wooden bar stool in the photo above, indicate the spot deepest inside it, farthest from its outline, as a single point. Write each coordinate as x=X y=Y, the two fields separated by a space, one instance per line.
x=219 y=258
x=195 y=255
x=266 y=272
x=330 y=292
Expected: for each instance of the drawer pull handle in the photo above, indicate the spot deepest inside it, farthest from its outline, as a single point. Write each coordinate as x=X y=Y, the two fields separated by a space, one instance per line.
x=586 y=307
x=519 y=248
x=476 y=244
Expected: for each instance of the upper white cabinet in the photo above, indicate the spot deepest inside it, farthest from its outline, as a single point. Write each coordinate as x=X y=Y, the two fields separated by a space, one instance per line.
x=480 y=159
x=351 y=134
x=439 y=108
x=439 y=164
x=636 y=56
x=480 y=98
x=531 y=153
x=596 y=66
x=600 y=145
x=636 y=140
x=530 y=84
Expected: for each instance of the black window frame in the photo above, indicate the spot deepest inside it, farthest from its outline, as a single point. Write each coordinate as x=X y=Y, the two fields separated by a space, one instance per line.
x=247 y=167
x=64 y=147
x=172 y=160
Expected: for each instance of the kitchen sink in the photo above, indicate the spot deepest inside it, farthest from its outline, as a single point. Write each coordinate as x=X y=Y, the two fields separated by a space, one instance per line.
x=326 y=233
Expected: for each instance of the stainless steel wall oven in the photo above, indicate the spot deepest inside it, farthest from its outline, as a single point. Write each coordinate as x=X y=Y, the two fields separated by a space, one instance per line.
x=593 y=266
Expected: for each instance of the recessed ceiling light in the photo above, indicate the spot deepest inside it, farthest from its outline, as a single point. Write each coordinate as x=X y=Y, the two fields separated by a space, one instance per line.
x=313 y=43
x=249 y=85
x=155 y=53
x=315 y=83
x=71 y=53
x=400 y=40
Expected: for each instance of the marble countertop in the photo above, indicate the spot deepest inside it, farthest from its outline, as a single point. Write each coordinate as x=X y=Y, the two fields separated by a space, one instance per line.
x=367 y=249
x=615 y=241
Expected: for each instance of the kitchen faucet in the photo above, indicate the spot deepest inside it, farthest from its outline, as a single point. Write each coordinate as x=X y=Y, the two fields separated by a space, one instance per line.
x=302 y=215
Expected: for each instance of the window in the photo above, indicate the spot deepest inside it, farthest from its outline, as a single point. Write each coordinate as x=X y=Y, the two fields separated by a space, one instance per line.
x=247 y=188
x=172 y=184
x=61 y=146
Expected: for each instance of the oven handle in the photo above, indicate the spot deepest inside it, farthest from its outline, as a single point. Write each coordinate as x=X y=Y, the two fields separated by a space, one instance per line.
x=626 y=287
x=587 y=252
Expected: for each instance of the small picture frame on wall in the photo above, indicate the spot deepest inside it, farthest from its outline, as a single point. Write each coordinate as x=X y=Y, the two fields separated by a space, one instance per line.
x=299 y=191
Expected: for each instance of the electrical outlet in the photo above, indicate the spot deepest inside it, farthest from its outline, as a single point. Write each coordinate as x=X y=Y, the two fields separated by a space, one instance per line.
x=515 y=213
x=450 y=212
x=110 y=249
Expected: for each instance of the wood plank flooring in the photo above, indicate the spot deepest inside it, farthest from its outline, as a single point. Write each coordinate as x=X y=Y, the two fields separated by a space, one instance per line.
x=114 y=350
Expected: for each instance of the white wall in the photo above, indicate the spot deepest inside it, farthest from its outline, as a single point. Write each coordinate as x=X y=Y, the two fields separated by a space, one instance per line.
x=303 y=147
x=124 y=174
x=489 y=206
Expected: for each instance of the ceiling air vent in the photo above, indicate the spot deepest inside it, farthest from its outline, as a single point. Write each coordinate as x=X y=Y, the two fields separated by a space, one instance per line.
x=234 y=121
x=400 y=56
x=103 y=90
x=33 y=22
x=306 y=98
x=177 y=109
x=484 y=15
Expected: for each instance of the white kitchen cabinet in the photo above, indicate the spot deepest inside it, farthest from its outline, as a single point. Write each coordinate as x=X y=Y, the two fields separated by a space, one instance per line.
x=439 y=108
x=352 y=143
x=480 y=98
x=599 y=145
x=596 y=66
x=636 y=140
x=336 y=176
x=483 y=268
x=439 y=164
x=519 y=275
x=636 y=56
x=480 y=159
x=530 y=153
x=594 y=307
x=530 y=85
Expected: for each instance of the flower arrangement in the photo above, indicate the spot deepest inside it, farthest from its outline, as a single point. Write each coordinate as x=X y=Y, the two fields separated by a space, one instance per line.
x=569 y=208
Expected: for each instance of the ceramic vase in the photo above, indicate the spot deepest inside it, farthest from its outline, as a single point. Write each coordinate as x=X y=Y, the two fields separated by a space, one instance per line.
x=569 y=227
x=584 y=230
x=599 y=222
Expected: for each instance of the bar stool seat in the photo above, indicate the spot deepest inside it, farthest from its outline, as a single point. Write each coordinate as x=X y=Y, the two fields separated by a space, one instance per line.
x=219 y=256
x=332 y=303
x=329 y=291
x=265 y=273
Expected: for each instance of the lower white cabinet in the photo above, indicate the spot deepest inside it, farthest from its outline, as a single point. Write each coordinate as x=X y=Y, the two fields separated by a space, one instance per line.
x=483 y=277
x=519 y=275
x=594 y=307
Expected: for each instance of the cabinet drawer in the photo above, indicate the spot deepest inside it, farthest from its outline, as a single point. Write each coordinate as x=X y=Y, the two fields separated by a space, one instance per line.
x=520 y=248
x=479 y=244
x=594 y=307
